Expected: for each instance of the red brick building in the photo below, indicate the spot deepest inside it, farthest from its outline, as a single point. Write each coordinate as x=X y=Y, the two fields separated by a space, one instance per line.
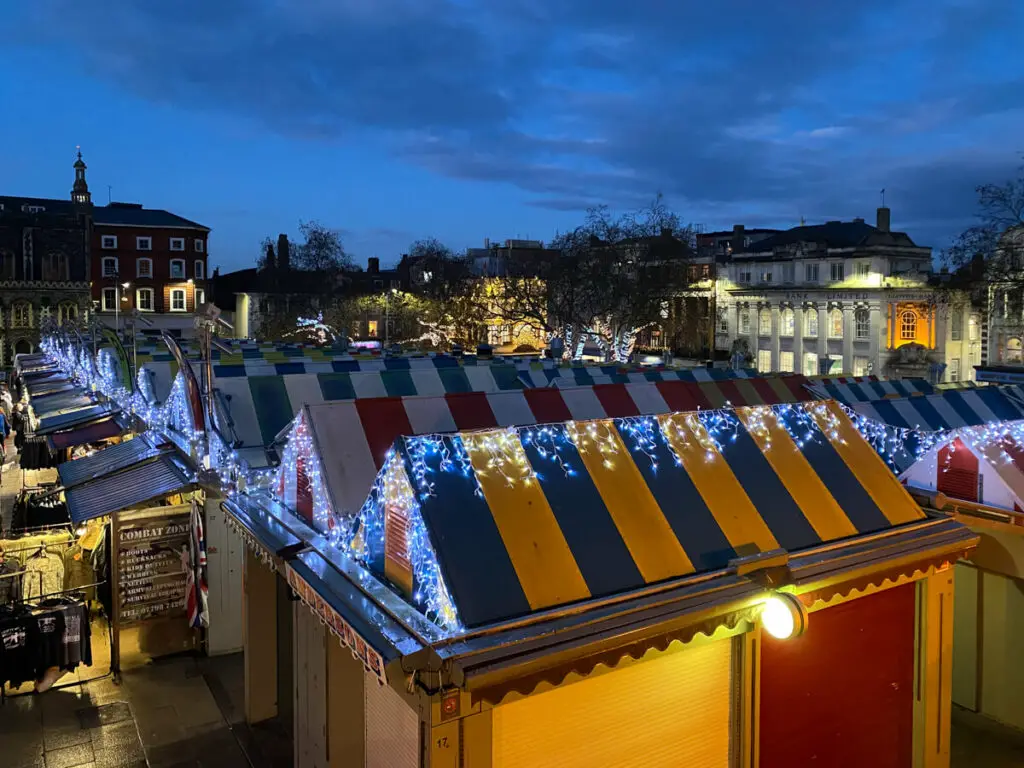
x=152 y=260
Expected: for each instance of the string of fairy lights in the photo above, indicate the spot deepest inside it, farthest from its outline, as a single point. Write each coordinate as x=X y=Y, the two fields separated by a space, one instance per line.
x=412 y=468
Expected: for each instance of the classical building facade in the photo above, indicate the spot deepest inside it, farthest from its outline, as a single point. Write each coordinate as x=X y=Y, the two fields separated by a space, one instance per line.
x=44 y=264
x=844 y=298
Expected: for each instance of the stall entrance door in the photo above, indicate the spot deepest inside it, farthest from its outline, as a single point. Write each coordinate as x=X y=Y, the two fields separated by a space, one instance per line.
x=668 y=712
x=842 y=694
x=310 y=689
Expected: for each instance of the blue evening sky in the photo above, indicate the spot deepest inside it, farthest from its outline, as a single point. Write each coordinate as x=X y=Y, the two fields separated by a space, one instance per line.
x=393 y=120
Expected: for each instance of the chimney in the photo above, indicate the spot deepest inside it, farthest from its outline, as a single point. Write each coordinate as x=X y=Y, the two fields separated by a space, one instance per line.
x=487 y=242
x=283 y=256
x=373 y=265
x=858 y=220
x=270 y=261
x=738 y=233
x=883 y=219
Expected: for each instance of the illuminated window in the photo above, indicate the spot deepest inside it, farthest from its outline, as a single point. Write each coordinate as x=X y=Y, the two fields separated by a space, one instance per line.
x=764 y=360
x=835 y=324
x=863 y=268
x=177 y=300
x=67 y=313
x=787 y=322
x=811 y=321
x=954 y=369
x=956 y=325
x=371 y=328
x=908 y=326
x=861 y=366
x=1013 y=350
x=764 y=322
x=745 y=321
x=862 y=328
x=21 y=315
x=972 y=328
x=144 y=299
x=810 y=364
x=723 y=321
x=786 y=362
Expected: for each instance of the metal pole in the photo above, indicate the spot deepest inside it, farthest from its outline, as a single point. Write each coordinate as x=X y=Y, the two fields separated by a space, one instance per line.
x=117 y=304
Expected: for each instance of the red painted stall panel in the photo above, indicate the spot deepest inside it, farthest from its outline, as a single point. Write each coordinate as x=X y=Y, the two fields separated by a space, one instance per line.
x=842 y=695
x=957 y=470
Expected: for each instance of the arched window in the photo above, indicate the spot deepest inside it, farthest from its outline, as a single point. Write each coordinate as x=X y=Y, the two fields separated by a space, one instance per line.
x=1014 y=350
x=862 y=324
x=23 y=347
x=787 y=321
x=835 y=324
x=67 y=313
x=811 y=322
x=21 y=315
x=908 y=325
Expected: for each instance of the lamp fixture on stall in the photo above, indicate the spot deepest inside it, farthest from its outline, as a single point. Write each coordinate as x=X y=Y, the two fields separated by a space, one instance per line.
x=784 y=616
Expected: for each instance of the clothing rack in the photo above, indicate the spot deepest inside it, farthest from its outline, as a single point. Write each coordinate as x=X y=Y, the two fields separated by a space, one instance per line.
x=40 y=546
x=71 y=590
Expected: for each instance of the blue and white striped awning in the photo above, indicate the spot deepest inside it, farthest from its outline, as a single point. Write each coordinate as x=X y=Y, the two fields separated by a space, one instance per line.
x=536 y=375
x=948 y=409
x=859 y=389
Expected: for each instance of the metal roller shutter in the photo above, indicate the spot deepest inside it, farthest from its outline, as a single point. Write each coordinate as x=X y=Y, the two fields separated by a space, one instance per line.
x=664 y=713
x=392 y=728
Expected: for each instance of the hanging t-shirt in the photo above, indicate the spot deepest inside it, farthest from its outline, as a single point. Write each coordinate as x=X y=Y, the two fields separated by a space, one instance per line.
x=17 y=647
x=76 y=631
x=49 y=638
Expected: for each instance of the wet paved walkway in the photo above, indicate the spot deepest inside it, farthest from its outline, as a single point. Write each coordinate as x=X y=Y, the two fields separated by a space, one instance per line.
x=163 y=715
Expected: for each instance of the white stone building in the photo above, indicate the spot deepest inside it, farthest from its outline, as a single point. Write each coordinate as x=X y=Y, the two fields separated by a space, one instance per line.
x=844 y=298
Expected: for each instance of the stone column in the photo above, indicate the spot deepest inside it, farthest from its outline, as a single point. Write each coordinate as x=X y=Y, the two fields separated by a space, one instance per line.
x=776 y=338
x=876 y=334
x=798 y=338
x=822 y=332
x=848 y=333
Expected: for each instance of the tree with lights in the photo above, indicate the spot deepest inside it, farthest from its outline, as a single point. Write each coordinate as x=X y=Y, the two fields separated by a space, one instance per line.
x=606 y=280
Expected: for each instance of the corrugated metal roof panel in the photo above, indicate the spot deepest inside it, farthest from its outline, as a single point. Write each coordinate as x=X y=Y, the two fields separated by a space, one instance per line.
x=121 y=490
x=112 y=459
x=72 y=419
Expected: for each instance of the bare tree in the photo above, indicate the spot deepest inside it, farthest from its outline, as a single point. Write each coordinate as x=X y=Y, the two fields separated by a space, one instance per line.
x=321 y=249
x=988 y=258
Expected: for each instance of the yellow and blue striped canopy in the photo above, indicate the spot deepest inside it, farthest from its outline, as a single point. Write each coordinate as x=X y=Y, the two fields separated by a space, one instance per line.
x=524 y=519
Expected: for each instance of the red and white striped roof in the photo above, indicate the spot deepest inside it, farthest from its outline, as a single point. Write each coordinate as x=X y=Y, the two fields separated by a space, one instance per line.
x=353 y=436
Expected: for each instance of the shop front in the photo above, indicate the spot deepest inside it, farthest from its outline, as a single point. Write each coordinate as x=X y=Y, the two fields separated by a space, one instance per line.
x=598 y=591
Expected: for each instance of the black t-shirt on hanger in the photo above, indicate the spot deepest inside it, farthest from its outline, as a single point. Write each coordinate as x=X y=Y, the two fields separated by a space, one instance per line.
x=17 y=646
x=49 y=638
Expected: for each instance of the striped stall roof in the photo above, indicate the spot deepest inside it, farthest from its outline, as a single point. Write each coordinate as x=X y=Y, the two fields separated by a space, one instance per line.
x=947 y=409
x=582 y=510
x=354 y=436
x=542 y=376
x=859 y=389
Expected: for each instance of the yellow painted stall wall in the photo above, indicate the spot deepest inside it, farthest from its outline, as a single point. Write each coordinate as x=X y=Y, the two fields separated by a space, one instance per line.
x=663 y=713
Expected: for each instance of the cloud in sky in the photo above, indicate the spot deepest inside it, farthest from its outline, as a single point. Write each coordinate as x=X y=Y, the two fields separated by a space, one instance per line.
x=737 y=110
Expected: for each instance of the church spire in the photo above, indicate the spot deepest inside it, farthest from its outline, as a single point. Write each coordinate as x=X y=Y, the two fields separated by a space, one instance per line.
x=80 y=190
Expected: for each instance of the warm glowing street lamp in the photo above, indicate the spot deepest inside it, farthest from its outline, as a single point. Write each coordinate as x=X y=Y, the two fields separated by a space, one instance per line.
x=783 y=616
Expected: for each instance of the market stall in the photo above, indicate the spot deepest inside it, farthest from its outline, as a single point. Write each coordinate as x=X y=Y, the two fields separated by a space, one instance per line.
x=462 y=588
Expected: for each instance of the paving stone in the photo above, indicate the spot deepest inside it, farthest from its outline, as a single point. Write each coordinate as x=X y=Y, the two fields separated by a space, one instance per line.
x=70 y=757
x=22 y=749
x=106 y=714
x=65 y=736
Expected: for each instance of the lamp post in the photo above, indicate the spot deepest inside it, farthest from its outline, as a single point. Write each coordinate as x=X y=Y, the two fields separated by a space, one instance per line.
x=387 y=316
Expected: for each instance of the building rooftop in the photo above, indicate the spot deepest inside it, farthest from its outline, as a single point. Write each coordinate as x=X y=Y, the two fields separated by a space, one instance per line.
x=834 y=234
x=134 y=215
